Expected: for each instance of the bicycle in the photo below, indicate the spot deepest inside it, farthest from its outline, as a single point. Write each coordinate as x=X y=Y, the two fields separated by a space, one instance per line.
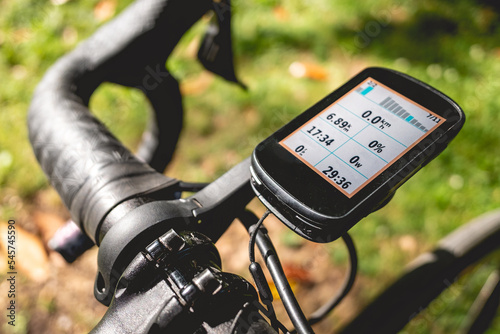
x=108 y=190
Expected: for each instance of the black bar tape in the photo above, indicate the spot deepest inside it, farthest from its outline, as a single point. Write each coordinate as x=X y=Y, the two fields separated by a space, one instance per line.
x=86 y=164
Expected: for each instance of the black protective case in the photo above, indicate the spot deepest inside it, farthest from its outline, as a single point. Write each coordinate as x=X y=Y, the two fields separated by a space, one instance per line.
x=322 y=214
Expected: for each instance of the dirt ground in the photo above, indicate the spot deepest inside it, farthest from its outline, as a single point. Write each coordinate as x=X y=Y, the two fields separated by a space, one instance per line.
x=53 y=296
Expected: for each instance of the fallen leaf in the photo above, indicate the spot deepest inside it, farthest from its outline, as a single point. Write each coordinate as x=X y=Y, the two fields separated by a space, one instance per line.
x=252 y=117
x=21 y=35
x=496 y=52
x=274 y=290
x=197 y=85
x=296 y=277
x=18 y=72
x=3 y=259
x=488 y=17
x=47 y=223
x=296 y=273
x=105 y=9
x=308 y=70
x=408 y=243
x=29 y=253
x=281 y=13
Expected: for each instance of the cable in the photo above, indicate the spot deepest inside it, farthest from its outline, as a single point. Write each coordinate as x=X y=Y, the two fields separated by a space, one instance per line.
x=271 y=258
x=273 y=264
x=253 y=224
x=253 y=234
x=324 y=310
x=259 y=278
x=266 y=248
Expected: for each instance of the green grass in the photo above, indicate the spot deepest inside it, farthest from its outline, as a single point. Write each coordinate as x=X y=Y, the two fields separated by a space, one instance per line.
x=451 y=45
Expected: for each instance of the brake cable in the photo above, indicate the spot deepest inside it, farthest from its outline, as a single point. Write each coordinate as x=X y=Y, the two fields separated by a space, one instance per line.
x=268 y=252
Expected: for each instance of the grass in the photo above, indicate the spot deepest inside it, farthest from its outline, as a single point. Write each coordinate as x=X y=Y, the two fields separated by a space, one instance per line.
x=450 y=45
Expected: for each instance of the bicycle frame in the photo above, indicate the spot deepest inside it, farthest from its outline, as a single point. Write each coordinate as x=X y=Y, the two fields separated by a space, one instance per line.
x=156 y=259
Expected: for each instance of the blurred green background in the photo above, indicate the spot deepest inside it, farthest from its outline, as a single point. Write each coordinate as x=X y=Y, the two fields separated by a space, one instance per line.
x=452 y=45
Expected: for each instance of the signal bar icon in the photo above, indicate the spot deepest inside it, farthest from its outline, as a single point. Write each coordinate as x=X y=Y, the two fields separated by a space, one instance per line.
x=392 y=106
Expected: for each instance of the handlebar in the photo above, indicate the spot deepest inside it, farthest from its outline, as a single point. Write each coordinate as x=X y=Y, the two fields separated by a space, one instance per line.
x=86 y=164
x=122 y=202
x=156 y=251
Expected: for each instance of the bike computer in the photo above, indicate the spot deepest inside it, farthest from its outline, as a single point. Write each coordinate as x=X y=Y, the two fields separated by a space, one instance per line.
x=344 y=157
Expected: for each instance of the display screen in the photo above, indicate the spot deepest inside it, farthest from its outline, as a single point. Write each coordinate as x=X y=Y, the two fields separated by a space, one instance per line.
x=364 y=132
